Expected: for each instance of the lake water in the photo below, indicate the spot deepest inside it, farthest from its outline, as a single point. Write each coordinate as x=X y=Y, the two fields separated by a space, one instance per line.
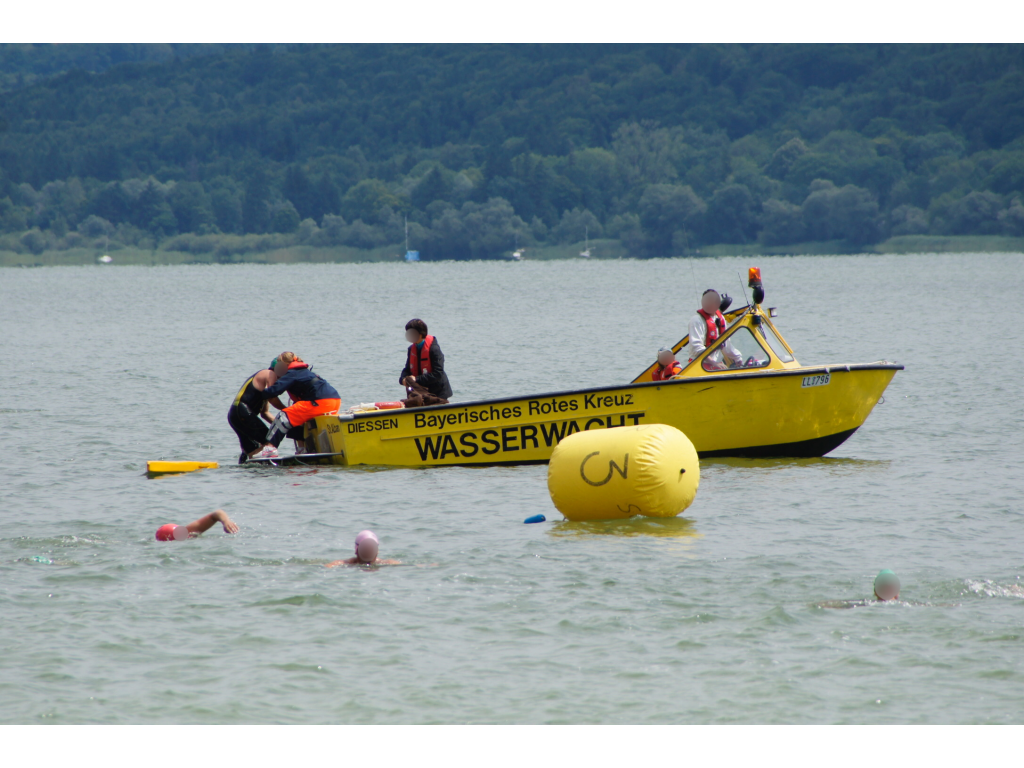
x=710 y=618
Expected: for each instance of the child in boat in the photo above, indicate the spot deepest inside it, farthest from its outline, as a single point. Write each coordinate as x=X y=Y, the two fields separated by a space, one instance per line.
x=668 y=366
x=367 y=546
x=172 y=532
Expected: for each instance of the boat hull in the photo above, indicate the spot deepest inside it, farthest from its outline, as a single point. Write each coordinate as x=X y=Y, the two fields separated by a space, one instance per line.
x=794 y=412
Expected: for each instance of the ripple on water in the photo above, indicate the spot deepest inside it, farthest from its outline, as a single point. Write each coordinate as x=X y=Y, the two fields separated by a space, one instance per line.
x=989 y=588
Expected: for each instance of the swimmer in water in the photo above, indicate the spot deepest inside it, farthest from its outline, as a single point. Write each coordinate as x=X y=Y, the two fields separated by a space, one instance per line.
x=172 y=532
x=886 y=588
x=367 y=546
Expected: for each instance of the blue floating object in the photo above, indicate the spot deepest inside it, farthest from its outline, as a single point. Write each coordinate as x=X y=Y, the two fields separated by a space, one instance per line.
x=41 y=559
x=535 y=519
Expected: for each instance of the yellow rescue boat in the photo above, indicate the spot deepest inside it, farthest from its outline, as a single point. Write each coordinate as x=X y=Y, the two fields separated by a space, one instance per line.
x=745 y=395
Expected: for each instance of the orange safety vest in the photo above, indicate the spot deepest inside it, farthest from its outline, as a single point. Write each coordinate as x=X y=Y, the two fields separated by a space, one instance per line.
x=666 y=372
x=420 y=363
x=716 y=328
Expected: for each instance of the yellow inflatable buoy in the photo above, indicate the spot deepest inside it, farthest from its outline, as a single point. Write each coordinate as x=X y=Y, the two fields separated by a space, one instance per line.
x=607 y=474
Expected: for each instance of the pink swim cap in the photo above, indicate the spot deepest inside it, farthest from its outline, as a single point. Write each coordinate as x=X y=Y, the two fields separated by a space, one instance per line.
x=171 y=532
x=367 y=546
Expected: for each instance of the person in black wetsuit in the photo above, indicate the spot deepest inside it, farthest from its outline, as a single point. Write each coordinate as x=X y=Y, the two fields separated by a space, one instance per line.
x=249 y=405
x=424 y=364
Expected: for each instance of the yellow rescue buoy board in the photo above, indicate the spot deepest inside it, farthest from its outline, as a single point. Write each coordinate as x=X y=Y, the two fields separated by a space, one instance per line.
x=804 y=411
x=177 y=467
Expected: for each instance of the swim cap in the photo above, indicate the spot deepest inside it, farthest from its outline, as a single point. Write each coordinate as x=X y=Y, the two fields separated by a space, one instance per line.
x=887 y=585
x=367 y=546
x=664 y=349
x=171 y=532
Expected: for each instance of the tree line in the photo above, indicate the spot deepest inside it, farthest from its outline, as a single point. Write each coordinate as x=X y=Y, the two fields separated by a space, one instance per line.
x=478 y=148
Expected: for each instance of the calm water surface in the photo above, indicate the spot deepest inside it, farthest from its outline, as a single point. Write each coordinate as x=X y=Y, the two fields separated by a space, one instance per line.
x=711 y=618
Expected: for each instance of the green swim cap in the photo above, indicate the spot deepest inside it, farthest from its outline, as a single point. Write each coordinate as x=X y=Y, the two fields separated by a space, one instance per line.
x=886 y=580
x=273 y=363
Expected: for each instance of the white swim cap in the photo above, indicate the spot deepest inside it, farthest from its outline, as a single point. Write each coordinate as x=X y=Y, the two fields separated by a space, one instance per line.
x=367 y=546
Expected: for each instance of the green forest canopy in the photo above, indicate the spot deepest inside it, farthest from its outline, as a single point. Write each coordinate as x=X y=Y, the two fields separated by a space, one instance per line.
x=665 y=147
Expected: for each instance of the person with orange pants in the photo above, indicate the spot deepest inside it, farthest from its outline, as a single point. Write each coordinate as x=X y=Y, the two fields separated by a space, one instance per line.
x=311 y=396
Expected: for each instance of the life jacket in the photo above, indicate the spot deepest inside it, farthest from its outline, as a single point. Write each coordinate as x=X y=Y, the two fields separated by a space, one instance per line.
x=666 y=372
x=421 y=363
x=716 y=328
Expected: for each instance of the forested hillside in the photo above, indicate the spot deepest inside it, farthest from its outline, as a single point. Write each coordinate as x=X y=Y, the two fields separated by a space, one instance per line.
x=666 y=148
x=23 y=64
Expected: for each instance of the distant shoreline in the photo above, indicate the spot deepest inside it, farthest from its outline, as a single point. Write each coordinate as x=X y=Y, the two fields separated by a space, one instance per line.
x=601 y=249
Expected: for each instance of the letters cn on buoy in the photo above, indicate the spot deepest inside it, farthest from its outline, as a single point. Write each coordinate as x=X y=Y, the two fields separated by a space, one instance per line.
x=607 y=474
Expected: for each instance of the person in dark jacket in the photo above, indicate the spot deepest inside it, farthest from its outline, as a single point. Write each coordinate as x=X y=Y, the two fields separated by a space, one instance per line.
x=311 y=396
x=424 y=364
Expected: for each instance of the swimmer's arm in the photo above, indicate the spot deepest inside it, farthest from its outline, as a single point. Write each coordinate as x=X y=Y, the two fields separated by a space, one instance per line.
x=207 y=522
x=841 y=604
x=263 y=379
x=265 y=414
x=276 y=402
x=355 y=561
x=349 y=561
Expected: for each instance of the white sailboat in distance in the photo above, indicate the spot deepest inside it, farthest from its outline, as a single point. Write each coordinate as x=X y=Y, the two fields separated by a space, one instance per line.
x=585 y=253
x=517 y=254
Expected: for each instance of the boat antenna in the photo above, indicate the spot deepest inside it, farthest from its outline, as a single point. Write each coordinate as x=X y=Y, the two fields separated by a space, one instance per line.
x=693 y=274
x=743 y=291
x=406 y=234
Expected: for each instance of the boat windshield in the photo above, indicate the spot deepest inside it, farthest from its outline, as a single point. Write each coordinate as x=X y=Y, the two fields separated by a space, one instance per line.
x=775 y=343
x=740 y=350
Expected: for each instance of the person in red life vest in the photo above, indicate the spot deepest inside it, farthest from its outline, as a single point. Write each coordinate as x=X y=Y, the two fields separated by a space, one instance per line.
x=172 y=532
x=311 y=396
x=668 y=366
x=705 y=329
x=424 y=363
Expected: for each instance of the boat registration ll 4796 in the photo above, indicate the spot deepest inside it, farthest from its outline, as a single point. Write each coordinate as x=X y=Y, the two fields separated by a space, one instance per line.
x=816 y=381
